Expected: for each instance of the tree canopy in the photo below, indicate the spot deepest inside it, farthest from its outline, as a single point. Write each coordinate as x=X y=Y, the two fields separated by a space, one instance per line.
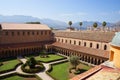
x=104 y=24
x=95 y=25
x=74 y=60
x=80 y=23
x=70 y=23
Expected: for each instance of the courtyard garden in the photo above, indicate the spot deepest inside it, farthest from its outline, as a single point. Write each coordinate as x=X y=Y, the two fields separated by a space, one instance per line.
x=63 y=70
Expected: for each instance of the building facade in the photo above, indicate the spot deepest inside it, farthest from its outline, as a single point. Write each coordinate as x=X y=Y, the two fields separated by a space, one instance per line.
x=23 y=39
x=91 y=47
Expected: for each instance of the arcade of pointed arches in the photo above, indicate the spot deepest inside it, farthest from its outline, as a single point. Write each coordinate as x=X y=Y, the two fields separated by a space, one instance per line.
x=20 y=51
x=87 y=58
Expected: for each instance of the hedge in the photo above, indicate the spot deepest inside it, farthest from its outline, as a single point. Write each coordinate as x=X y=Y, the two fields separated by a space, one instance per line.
x=37 y=69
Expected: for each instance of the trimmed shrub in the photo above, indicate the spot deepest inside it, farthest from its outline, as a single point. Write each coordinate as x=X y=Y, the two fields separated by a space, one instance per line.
x=39 y=67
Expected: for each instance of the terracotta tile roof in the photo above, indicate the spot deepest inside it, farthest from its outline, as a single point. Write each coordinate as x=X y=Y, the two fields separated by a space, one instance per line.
x=87 y=35
x=91 y=51
x=15 y=26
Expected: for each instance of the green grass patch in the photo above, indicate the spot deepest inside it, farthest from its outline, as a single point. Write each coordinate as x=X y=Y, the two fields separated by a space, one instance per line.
x=60 y=71
x=17 y=77
x=14 y=78
x=51 y=57
x=7 y=65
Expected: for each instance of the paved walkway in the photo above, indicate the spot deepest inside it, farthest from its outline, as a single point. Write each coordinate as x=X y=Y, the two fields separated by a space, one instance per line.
x=18 y=70
x=58 y=61
x=23 y=60
x=7 y=73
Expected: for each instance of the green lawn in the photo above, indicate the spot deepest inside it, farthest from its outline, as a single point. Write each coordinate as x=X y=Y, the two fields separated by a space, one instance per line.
x=9 y=65
x=60 y=71
x=14 y=78
x=50 y=58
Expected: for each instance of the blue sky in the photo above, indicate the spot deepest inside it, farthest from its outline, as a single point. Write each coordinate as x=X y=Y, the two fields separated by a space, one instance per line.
x=64 y=10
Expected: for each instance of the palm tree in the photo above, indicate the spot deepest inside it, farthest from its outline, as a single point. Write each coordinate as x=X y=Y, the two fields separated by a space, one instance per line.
x=104 y=24
x=80 y=24
x=70 y=23
x=95 y=25
x=74 y=60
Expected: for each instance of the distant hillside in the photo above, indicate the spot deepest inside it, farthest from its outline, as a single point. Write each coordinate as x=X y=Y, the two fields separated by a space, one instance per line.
x=51 y=23
x=23 y=19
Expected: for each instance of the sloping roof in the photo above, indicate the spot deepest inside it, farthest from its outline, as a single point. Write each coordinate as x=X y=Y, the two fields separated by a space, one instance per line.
x=15 y=26
x=87 y=35
x=90 y=51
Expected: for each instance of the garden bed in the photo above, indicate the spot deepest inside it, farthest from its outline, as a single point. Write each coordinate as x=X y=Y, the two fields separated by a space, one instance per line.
x=9 y=65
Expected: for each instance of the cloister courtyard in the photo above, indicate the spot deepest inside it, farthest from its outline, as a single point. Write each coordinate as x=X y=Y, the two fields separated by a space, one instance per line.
x=57 y=67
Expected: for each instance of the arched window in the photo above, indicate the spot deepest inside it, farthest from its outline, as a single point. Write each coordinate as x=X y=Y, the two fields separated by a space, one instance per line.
x=37 y=33
x=23 y=33
x=58 y=40
x=79 y=43
x=32 y=33
x=105 y=47
x=28 y=33
x=18 y=33
x=70 y=41
x=90 y=44
x=12 y=33
x=84 y=43
x=6 y=33
x=65 y=41
x=74 y=42
x=97 y=46
x=62 y=40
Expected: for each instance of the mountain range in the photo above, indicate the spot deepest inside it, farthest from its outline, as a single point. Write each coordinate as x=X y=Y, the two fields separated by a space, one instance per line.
x=50 y=22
